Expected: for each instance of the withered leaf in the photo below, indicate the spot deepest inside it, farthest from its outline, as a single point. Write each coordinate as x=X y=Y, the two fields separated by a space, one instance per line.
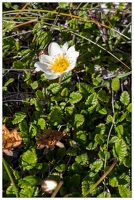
x=49 y=138
x=10 y=139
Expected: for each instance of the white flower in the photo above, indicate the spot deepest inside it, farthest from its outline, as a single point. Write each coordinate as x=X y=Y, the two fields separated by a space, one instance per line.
x=49 y=185
x=59 y=61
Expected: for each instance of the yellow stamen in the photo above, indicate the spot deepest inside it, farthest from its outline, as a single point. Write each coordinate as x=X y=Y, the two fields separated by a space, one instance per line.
x=60 y=64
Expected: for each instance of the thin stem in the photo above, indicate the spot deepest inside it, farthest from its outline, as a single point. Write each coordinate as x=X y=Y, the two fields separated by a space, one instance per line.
x=10 y=177
x=101 y=48
x=102 y=178
x=57 y=189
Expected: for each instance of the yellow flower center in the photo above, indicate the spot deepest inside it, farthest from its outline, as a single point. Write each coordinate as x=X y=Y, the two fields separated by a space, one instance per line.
x=60 y=63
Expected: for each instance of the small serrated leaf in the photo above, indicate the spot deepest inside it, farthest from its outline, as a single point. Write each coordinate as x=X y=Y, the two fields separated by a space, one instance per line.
x=18 y=117
x=113 y=182
x=29 y=159
x=104 y=195
x=60 y=167
x=103 y=96
x=55 y=116
x=85 y=88
x=39 y=94
x=96 y=165
x=125 y=98
x=124 y=191
x=54 y=88
x=92 y=100
x=82 y=159
x=115 y=84
x=78 y=120
x=120 y=149
x=75 y=97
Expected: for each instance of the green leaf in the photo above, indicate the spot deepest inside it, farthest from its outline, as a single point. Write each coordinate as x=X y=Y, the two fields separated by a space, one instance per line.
x=28 y=192
x=18 y=64
x=69 y=110
x=18 y=117
x=27 y=76
x=67 y=77
x=65 y=92
x=34 y=85
x=120 y=149
x=104 y=195
x=75 y=97
x=96 y=165
x=129 y=108
x=61 y=167
x=109 y=119
x=124 y=192
x=8 y=82
x=55 y=116
x=29 y=181
x=77 y=168
x=84 y=88
x=78 y=120
x=61 y=152
x=71 y=152
x=125 y=98
x=100 y=128
x=81 y=137
x=42 y=123
x=115 y=84
x=103 y=96
x=82 y=159
x=120 y=130
x=29 y=159
x=25 y=52
x=54 y=88
x=92 y=99
x=10 y=192
x=39 y=94
x=113 y=182
x=103 y=111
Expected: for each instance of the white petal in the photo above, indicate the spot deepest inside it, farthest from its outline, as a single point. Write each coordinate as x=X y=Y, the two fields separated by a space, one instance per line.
x=52 y=76
x=45 y=58
x=65 y=47
x=71 y=66
x=40 y=66
x=54 y=49
x=73 y=55
x=71 y=49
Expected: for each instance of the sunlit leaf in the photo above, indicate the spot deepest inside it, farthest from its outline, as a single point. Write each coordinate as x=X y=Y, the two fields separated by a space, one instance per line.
x=125 y=98
x=120 y=149
x=29 y=159
x=79 y=120
x=104 y=195
x=96 y=165
x=42 y=123
x=18 y=117
x=82 y=159
x=54 y=88
x=75 y=97
x=124 y=191
x=115 y=84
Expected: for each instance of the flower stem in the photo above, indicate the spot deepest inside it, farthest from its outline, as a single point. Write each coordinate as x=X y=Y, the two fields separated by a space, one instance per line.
x=10 y=177
x=57 y=189
x=102 y=178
